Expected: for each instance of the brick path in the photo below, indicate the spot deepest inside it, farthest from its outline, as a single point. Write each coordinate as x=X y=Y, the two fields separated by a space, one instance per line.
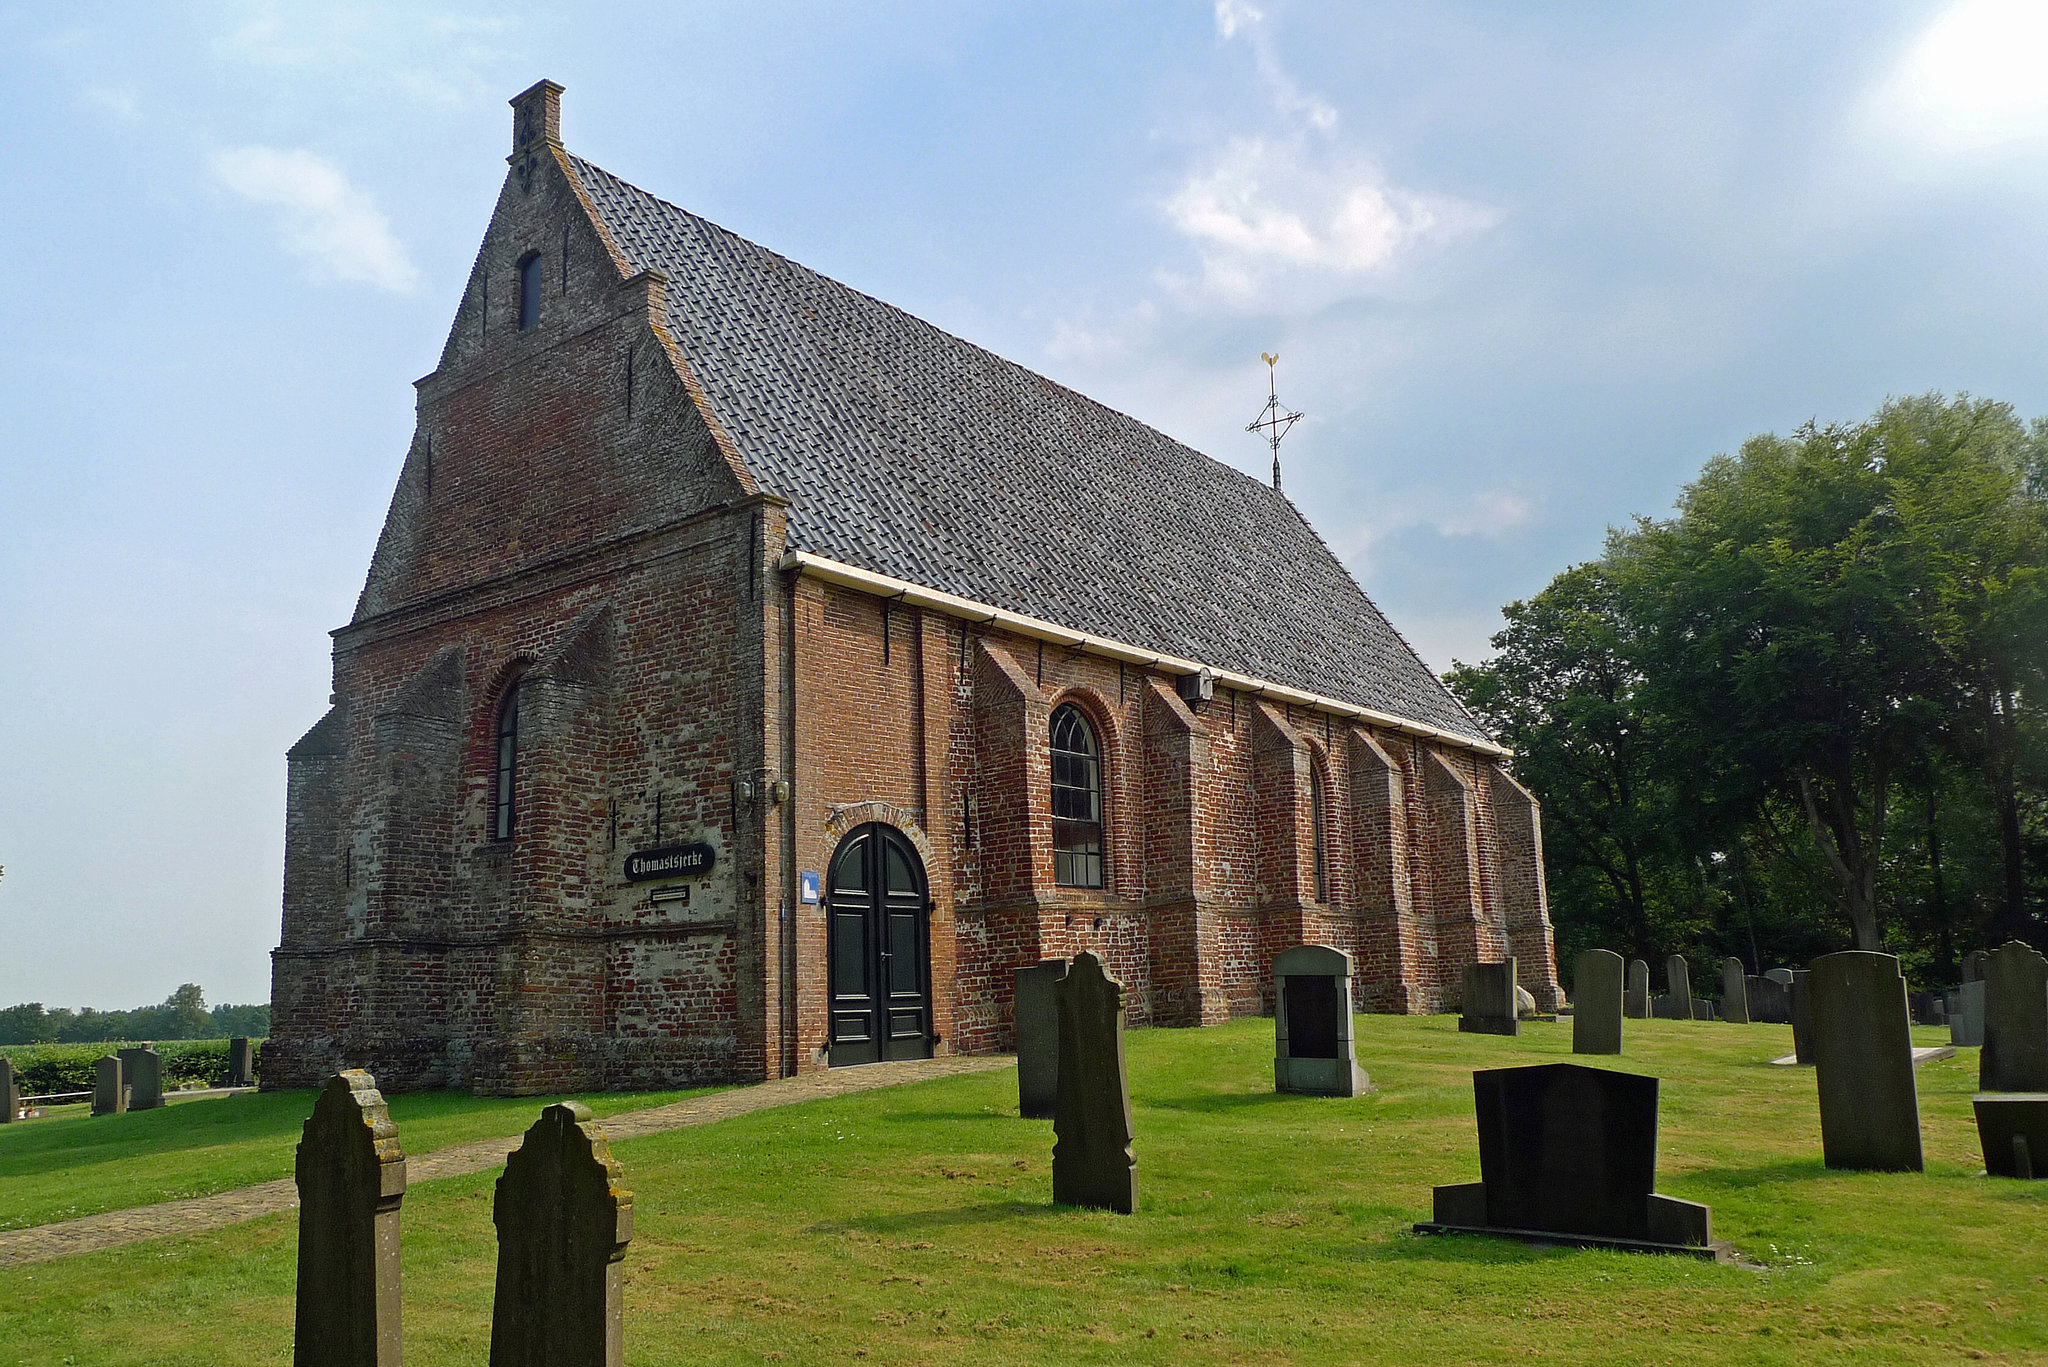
x=117 y=1227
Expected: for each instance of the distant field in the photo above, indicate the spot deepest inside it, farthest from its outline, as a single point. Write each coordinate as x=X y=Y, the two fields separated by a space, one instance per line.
x=915 y=1225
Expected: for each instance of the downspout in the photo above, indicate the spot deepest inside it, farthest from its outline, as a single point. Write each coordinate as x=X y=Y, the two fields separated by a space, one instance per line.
x=792 y=904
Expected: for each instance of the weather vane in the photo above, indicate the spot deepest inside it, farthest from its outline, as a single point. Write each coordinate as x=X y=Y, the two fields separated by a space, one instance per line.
x=1273 y=420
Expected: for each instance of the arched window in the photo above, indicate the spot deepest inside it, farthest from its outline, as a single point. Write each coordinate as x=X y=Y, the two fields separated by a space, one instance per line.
x=1076 y=801
x=1315 y=812
x=502 y=808
x=529 y=290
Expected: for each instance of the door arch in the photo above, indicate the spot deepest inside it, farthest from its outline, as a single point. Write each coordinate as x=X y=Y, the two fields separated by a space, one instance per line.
x=878 y=951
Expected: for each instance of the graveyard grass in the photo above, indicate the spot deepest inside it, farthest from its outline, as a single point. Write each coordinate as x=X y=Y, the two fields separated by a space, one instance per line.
x=915 y=1225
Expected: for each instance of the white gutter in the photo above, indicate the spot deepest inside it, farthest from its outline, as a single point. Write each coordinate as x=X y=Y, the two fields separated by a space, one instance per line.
x=902 y=590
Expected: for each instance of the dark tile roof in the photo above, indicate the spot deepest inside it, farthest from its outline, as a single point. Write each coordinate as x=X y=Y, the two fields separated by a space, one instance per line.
x=906 y=451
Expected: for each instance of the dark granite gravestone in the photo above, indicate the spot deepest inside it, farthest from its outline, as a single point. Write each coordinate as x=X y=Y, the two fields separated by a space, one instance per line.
x=1863 y=1063
x=2013 y=1128
x=351 y=1180
x=1966 y=1016
x=10 y=1092
x=143 y=1070
x=1596 y=1002
x=1489 y=1005
x=1781 y=976
x=1678 y=986
x=1092 y=1163
x=1973 y=965
x=1702 y=1009
x=1313 y=1052
x=241 y=1062
x=1635 y=998
x=1038 y=1038
x=1770 y=1001
x=563 y=1222
x=109 y=1088
x=1568 y=1155
x=1802 y=1015
x=2015 y=1056
x=1734 y=992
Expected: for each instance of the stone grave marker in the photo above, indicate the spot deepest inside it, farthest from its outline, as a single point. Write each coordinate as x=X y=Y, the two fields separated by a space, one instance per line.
x=1038 y=1038
x=10 y=1092
x=1635 y=1000
x=1596 y=1006
x=1973 y=965
x=1678 y=987
x=1568 y=1155
x=1802 y=1015
x=1734 y=992
x=1489 y=1006
x=2015 y=1055
x=143 y=1070
x=1313 y=1051
x=351 y=1179
x=2013 y=1128
x=241 y=1062
x=1702 y=1009
x=1863 y=1063
x=109 y=1088
x=1966 y=1016
x=563 y=1222
x=1092 y=1162
x=1770 y=1001
x=1781 y=976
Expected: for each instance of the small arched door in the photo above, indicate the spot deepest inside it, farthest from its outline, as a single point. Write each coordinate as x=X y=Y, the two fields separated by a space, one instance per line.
x=879 y=918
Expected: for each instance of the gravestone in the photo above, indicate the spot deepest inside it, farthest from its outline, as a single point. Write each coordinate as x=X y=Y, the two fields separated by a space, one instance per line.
x=1313 y=1052
x=241 y=1062
x=1597 y=990
x=351 y=1179
x=1863 y=1063
x=1973 y=965
x=1568 y=1155
x=1781 y=976
x=1038 y=1038
x=1702 y=1009
x=1678 y=986
x=1489 y=1006
x=1635 y=1000
x=563 y=1222
x=2013 y=1128
x=10 y=1092
x=143 y=1070
x=1802 y=1015
x=1770 y=1001
x=2015 y=1055
x=1734 y=992
x=1092 y=1163
x=109 y=1088
x=1966 y=1017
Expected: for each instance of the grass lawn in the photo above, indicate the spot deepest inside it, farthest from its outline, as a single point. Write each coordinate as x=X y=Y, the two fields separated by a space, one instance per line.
x=915 y=1225
x=70 y=1163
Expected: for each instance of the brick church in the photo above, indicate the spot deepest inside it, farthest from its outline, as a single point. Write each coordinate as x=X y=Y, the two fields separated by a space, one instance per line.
x=750 y=676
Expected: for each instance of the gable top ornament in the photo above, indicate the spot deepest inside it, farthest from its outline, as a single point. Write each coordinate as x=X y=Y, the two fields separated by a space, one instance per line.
x=1273 y=420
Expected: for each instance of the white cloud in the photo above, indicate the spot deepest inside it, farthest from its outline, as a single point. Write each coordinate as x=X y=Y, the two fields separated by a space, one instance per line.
x=1237 y=18
x=1488 y=515
x=336 y=227
x=1972 y=77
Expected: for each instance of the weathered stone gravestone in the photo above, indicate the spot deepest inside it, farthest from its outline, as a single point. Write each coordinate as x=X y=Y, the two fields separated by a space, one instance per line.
x=109 y=1088
x=1781 y=976
x=1702 y=1009
x=241 y=1062
x=1038 y=1038
x=1635 y=1000
x=1973 y=965
x=1313 y=1052
x=351 y=1180
x=1596 y=1006
x=143 y=1070
x=1092 y=1162
x=1678 y=986
x=1802 y=1015
x=1966 y=1016
x=1863 y=1062
x=1568 y=1155
x=1770 y=1001
x=1489 y=1006
x=563 y=1225
x=2015 y=1055
x=2013 y=1127
x=10 y=1092
x=1734 y=992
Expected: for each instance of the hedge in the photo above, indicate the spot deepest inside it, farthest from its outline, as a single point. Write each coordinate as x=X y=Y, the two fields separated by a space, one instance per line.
x=41 y=1069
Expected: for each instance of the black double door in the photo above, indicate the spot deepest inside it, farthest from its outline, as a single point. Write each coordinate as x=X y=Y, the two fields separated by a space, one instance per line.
x=880 y=948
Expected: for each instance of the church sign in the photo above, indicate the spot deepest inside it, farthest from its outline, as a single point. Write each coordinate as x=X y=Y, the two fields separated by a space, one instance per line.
x=670 y=861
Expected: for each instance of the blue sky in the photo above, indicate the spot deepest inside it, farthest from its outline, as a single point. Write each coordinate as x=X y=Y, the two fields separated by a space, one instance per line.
x=1526 y=268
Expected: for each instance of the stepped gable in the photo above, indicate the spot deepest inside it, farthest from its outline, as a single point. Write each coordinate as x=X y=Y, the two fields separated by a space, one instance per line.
x=908 y=452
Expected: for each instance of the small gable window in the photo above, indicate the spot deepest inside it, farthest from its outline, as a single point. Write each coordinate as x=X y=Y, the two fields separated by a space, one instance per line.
x=502 y=807
x=1076 y=801
x=1316 y=810
x=529 y=290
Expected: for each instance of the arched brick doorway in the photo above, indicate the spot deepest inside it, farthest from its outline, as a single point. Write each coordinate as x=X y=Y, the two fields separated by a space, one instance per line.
x=878 y=908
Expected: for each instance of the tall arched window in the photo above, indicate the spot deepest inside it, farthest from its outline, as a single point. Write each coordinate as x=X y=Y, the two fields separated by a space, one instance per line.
x=502 y=808
x=1315 y=811
x=529 y=290
x=1076 y=801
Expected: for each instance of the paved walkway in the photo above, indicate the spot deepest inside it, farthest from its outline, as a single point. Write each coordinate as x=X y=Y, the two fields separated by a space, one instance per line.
x=117 y=1227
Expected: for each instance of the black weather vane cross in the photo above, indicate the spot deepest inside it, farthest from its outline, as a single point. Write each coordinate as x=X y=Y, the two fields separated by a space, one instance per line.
x=1273 y=420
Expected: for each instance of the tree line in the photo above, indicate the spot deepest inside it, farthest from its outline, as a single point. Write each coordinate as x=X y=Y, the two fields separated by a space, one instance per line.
x=1807 y=712
x=182 y=1015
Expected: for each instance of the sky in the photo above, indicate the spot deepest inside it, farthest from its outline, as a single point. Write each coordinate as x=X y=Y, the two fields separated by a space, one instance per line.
x=1526 y=267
